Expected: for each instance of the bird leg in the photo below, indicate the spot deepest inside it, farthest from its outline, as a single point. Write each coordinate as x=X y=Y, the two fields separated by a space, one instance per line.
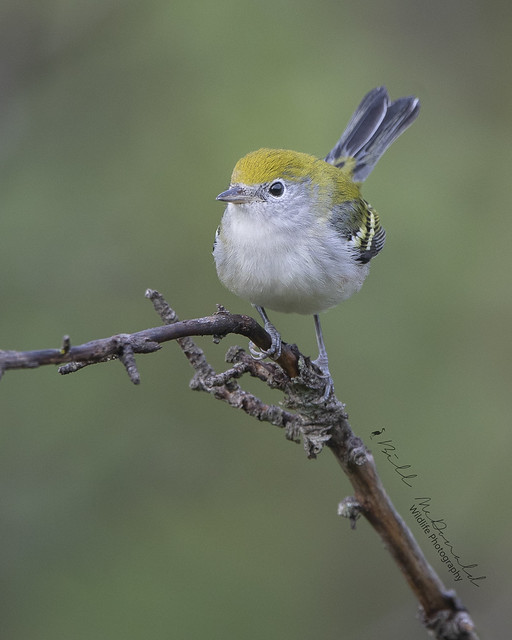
x=275 y=348
x=322 y=362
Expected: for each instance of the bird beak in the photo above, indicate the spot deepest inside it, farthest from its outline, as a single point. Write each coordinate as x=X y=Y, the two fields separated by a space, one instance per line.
x=237 y=195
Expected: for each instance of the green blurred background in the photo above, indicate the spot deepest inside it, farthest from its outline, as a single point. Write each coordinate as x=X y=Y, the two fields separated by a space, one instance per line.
x=153 y=512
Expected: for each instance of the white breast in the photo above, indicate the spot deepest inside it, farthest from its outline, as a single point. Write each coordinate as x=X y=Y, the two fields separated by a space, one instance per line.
x=296 y=267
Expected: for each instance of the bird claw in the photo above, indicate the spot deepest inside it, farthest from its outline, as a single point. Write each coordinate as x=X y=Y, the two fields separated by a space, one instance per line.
x=274 y=351
x=275 y=348
x=323 y=365
x=257 y=353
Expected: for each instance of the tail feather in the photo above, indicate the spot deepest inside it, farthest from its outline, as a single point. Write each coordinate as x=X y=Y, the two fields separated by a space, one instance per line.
x=375 y=125
x=362 y=125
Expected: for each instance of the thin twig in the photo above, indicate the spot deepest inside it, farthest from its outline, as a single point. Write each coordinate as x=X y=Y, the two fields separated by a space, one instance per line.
x=147 y=341
x=223 y=386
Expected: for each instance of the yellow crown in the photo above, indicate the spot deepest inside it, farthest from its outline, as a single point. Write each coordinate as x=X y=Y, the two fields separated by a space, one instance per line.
x=266 y=165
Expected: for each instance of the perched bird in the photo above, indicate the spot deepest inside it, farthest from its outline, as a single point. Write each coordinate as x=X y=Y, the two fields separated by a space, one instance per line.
x=296 y=235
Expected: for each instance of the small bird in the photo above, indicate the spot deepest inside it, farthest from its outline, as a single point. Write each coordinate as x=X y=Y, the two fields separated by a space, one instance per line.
x=296 y=235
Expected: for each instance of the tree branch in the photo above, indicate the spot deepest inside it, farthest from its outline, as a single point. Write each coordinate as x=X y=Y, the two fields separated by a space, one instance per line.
x=147 y=341
x=320 y=422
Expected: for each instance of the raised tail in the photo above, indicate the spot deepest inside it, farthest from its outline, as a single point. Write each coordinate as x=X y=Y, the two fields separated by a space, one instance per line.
x=376 y=123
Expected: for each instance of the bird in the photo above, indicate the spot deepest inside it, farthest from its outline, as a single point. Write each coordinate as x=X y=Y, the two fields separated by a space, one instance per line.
x=296 y=235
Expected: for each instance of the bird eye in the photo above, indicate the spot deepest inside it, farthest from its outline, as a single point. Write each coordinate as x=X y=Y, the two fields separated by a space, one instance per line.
x=276 y=189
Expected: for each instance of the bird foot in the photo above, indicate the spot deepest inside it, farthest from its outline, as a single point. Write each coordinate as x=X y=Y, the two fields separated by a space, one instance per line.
x=275 y=348
x=323 y=364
